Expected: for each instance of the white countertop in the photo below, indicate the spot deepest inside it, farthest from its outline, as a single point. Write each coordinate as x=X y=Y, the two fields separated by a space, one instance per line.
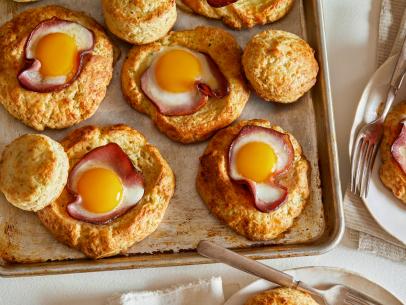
x=351 y=37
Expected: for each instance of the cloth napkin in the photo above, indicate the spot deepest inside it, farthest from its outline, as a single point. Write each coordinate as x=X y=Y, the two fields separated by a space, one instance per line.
x=198 y=293
x=363 y=228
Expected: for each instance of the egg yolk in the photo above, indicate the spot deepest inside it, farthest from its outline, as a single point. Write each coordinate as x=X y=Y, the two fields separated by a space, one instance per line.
x=177 y=71
x=255 y=161
x=101 y=190
x=57 y=53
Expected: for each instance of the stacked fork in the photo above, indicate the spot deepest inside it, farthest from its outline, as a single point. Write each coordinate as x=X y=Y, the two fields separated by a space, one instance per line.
x=370 y=135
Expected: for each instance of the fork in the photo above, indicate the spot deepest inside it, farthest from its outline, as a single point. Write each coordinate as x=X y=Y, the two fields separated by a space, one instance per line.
x=335 y=295
x=366 y=144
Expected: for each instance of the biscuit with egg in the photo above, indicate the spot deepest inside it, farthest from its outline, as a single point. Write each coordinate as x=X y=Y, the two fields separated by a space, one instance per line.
x=233 y=202
x=140 y=21
x=280 y=66
x=243 y=13
x=114 y=237
x=60 y=108
x=392 y=176
x=281 y=296
x=33 y=171
x=217 y=112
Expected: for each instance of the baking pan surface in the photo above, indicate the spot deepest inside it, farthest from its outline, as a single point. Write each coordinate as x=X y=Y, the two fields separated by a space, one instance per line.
x=187 y=221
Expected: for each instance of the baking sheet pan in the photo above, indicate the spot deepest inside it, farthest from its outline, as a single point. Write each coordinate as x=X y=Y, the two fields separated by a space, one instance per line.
x=187 y=219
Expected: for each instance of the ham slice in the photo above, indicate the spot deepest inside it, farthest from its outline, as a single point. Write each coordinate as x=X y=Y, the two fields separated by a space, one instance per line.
x=399 y=148
x=220 y=3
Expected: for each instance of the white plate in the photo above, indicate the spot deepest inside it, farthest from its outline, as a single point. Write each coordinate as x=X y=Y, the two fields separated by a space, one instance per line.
x=320 y=277
x=385 y=208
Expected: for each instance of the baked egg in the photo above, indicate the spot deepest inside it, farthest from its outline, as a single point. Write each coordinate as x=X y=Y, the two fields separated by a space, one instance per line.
x=54 y=55
x=179 y=81
x=105 y=185
x=257 y=156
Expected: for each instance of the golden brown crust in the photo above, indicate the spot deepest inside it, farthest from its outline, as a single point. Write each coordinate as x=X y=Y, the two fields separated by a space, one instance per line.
x=59 y=109
x=280 y=66
x=243 y=13
x=98 y=241
x=391 y=174
x=33 y=171
x=139 y=21
x=281 y=296
x=217 y=113
x=233 y=203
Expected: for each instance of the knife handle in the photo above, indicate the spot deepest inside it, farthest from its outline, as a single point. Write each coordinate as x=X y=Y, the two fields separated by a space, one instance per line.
x=223 y=255
x=395 y=82
x=400 y=69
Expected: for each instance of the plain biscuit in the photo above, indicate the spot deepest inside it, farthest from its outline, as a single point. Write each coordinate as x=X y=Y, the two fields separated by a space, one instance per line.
x=282 y=296
x=280 y=66
x=139 y=21
x=33 y=171
x=216 y=113
x=233 y=203
x=57 y=109
x=116 y=237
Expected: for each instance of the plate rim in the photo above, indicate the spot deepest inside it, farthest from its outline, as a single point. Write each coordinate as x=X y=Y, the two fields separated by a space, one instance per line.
x=324 y=268
x=386 y=228
x=362 y=107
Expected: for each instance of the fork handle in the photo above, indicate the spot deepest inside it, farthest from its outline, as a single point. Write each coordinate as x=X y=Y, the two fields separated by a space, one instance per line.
x=396 y=80
x=220 y=254
x=400 y=69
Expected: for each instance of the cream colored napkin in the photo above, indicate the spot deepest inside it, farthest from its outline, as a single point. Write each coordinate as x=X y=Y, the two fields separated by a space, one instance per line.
x=369 y=235
x=392 y=26
x=204 y=292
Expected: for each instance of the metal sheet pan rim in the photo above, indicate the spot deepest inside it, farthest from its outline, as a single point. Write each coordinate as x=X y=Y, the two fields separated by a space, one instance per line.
x=138 y=262
x=332 y=141
x=188 y=258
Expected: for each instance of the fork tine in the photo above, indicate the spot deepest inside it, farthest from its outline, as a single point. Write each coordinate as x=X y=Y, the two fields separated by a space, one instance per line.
x=365 y=170
x=354 y=161
x=354 y=164
x=360 y=167
x=371 y=167
x=352 y=302
x=360 y=298
x=355 y=301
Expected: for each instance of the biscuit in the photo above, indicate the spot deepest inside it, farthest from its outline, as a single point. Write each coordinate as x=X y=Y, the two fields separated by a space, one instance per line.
x=280 y=66
x=141 y=21
x=57 y=109
x=281 y=296
x=98 y=241
x=233 y=203
x=391 y=174
x=243 y=13
x=216 y=113
x=33 y=171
